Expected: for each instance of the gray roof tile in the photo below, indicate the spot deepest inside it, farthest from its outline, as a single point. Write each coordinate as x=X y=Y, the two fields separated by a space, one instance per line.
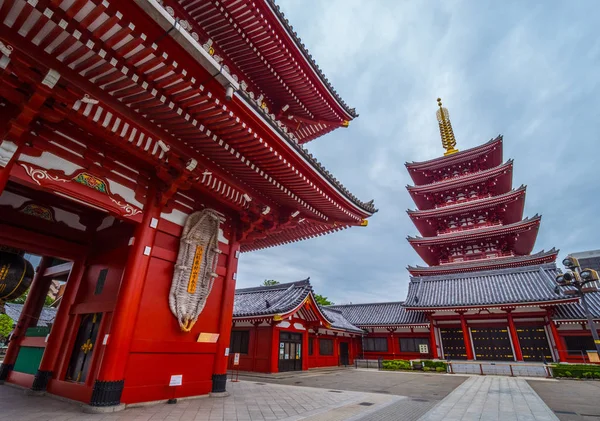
x=338 y=321
x=379 y=314
x=267 y=300
x=47 y=315
x=575 y=311
x=528 y=284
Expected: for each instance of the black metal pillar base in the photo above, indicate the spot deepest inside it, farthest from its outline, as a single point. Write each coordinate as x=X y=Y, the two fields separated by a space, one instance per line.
x=219 y=383
x=41 y=379
x=5 y=370
x=107 y=393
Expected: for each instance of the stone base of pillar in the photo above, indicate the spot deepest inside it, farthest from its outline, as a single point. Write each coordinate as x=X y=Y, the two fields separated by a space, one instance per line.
x=5 y=370
x=219 y=383
x=40 y=381
x=89 y=409
x=107 y=394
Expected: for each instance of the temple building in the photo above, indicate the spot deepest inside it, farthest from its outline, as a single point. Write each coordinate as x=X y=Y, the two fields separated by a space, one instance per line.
x=483 y=295
x=145 y=144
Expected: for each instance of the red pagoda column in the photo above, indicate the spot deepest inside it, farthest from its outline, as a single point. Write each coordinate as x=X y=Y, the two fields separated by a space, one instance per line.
x=33 y=305
x=432 y=341
x=466 y=337
x=108 y=386
x=219 y=377
x=304 y=352
x=514 y=336
x=274 y=347
x=558 y=342
x=48 y=365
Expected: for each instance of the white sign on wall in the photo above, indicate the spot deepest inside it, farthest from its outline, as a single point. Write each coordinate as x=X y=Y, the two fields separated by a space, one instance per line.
x=227 y=352
x=176 y=380
x=423 y=349
x=236 y=359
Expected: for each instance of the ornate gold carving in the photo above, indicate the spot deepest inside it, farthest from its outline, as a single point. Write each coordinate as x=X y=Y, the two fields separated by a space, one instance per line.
x=446 y=132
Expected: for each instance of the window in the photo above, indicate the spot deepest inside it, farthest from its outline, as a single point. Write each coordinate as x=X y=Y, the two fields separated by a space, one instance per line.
x=412 y=344
x=325 y=346
x=239 y=341
x=310 y=346
x=376 y=344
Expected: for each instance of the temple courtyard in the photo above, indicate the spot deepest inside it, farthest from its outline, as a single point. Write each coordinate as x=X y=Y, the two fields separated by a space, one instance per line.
x=351 y=394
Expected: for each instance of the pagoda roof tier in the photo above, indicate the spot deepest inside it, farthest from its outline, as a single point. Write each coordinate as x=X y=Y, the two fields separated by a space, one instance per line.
x=491 y=152
x=158 y=103
x=485 y=264
x=576 y=311
x=511 y=203
x=502 y=176
x=502 y=288
x=524 y=233
x=257 y=43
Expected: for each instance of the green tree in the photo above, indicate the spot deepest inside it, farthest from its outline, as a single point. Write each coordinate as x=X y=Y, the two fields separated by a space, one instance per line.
x=21 y=300
x=6 y=324
x=323 y=301
x=270 y=282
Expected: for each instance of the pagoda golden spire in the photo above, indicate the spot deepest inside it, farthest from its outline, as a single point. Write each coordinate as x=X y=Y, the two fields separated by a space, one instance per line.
x=446 y=132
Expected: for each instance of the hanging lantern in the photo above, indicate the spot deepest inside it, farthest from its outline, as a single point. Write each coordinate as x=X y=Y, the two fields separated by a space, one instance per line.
x=16 y=274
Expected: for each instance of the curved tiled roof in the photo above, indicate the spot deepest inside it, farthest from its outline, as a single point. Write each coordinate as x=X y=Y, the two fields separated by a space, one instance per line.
x=530 y=284
x=47 y=315
x=269 y=300
x=478 y=265
x=281 y=16
x=293 y=143
x=447 y=159
x=576 y=311
x=338 y=321
x=379 y=314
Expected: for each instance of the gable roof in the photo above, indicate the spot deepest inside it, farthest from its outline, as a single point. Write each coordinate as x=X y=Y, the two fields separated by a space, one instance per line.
x=576 y=312
x=511 y=286
x=379 y=314
x=47 y=315
x=338 y=321
x=270 y=300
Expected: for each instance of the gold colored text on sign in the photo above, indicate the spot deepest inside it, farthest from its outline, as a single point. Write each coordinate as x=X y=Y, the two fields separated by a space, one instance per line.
x=195 y=270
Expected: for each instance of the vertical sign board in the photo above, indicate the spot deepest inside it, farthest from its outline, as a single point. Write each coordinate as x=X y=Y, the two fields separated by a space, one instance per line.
x=236 y=358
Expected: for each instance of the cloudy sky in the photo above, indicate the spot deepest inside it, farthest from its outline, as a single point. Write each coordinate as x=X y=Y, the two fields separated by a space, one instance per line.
x=527 y=70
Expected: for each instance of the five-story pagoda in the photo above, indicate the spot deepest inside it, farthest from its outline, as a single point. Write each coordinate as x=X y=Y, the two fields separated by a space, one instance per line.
x=469 y=215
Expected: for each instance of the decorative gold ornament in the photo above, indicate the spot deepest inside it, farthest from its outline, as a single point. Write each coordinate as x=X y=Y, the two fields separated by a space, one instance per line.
x=446 y=132
x=345 y=123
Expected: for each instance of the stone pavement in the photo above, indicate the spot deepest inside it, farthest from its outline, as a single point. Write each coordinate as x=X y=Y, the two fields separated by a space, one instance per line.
x=491 y=398
x=249 y=401
x=571 y=400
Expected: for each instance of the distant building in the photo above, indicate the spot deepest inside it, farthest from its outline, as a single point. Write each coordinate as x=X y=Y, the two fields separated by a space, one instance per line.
x=588 y=259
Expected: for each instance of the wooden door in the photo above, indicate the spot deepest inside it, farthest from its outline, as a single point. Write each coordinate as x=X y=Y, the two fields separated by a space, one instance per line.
x=290 y=351
x=81 y=355
x=344 y=354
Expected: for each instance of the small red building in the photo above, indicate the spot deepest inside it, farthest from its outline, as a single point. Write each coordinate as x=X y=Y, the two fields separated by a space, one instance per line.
x=282 y=328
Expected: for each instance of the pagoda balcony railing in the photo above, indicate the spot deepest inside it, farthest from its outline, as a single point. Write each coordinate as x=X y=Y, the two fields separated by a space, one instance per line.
x=460 y=201
x=469 y=228
x=477 y=256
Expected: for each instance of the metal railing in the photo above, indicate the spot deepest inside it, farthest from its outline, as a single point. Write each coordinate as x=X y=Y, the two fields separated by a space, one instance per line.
x=512 y=369
x=368 y=363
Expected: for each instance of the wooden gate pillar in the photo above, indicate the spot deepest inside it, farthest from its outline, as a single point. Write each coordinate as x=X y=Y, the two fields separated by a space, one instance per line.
x=32 y=307
x=514 y=336
x=48 y=365
x=109 y=384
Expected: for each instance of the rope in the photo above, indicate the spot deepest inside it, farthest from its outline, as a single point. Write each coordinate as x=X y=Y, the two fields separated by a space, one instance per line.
x=194 y=272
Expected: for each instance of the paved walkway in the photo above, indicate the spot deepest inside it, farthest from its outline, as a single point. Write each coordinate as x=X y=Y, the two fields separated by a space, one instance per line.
x=249 y=401
x=491 y=398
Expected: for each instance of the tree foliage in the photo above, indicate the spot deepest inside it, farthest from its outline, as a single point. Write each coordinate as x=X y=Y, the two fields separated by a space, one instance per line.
x=270 y=282
x=6 y=324
x=21 y=300
x=323 y=301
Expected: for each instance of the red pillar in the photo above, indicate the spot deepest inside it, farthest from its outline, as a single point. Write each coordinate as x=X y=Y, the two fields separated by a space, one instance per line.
x=466 y=337
x=219 y=377
x=48 y=365
x=255 y=345
x=39 y=286
x=304 y=351
x=108 y=386
x=558 y=342
x=432 y=341
x=514 y=336
x=274 y=348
